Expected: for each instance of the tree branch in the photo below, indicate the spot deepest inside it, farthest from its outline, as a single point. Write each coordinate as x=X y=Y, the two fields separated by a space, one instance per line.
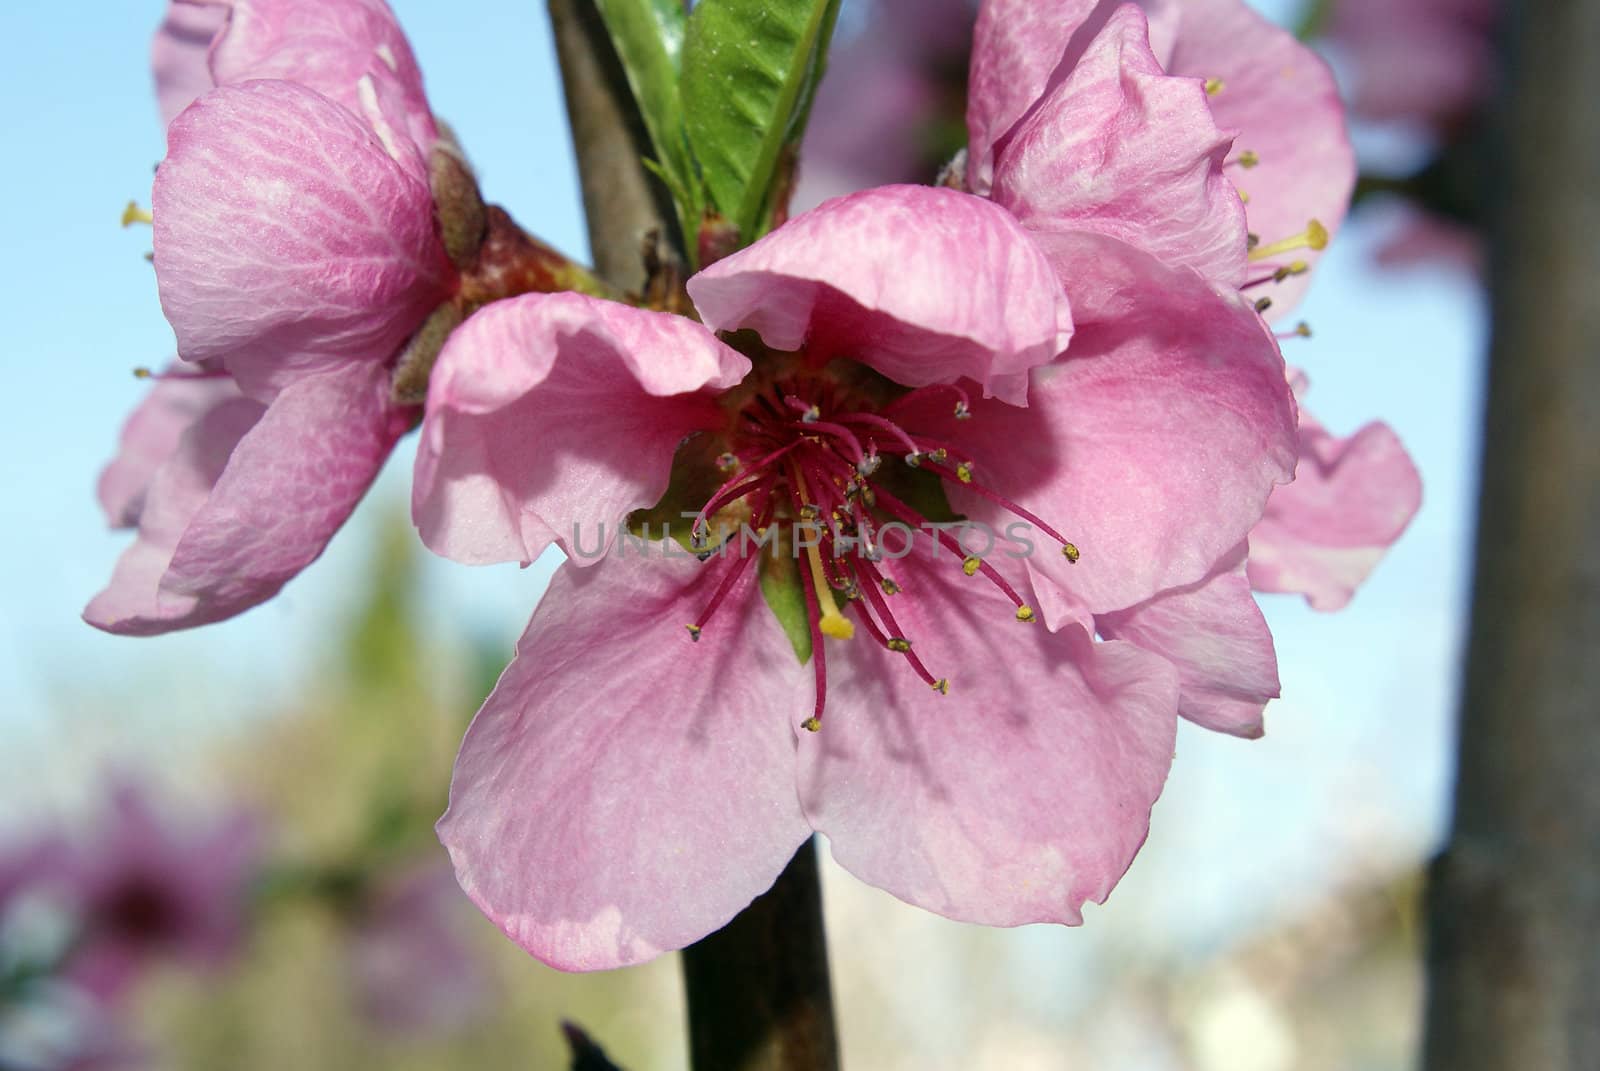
x=622 y=201
x=759 y=997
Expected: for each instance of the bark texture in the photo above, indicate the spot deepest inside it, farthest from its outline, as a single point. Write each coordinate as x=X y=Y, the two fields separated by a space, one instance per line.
x=1514 y=903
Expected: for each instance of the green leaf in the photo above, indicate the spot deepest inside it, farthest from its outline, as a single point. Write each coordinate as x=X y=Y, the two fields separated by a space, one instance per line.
x=648 y=37
x=750 y=68
x=785 y=593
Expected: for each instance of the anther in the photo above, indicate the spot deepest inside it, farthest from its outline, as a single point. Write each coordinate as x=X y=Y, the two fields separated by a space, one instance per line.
x=971 y=565
x=963 y=411
x=1299 y=267
x=1069 y=551
x=1244 y=197
x=727 y=461
x=134 y=214
x=899 y=644
x=1263 y=304
x=869 y=464
x=942 y=685
x=143 y=373
x=1251 y=240
x=694 y=632
x=1301 y=330
x=1215 y=86
x=1248 y=159
x=809 y=512
x=964 y=472
x=914 y=459
x=811 y=724
x=1025 y=614
x=890 y=587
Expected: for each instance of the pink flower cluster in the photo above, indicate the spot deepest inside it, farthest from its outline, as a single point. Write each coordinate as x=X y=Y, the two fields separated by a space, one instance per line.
x=1070 y=339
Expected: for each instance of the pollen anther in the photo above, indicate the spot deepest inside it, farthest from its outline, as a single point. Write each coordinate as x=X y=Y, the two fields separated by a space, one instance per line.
x=1025 y=614
x=694 y=632
x=899 y=644
x=1069 y=551
x=971 y=565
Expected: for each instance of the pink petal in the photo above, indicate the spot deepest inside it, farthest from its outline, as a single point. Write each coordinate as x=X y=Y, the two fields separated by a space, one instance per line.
x=250 y=499
x=1122 y=149
x=1282 y=100
x=555 y=415
x=1153 y=444
x=925 y=285
x=286 y=240
x=130 y=604
x=1016 y=47
x=624 y=791
x=1023 y=49
x=1016 y=797
x=351 y=51
x=1213 y=632
x=151 y=436
x=1322 y=534
x=178 y=54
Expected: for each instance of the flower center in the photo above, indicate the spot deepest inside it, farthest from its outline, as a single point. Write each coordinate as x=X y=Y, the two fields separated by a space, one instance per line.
x=827 y=474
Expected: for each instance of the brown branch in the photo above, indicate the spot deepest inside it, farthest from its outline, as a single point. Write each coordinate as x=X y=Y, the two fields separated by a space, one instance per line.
x=1514 y=929
x=758 y=990
x=759 y=997
x=622 y=201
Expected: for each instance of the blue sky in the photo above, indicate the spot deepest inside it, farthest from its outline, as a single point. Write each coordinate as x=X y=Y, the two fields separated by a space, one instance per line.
x=1354 y=759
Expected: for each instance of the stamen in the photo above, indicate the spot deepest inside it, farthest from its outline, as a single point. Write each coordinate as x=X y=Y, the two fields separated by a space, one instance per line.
x=1246 y=159
x=999 y=500
x=1214 y=86
x=1025 y=614
x=899 y=644
x=831 y=621
x=200 y=373
x=134 y=214
x=1069 y=551
x=1301 y=330
x=1263 y=304
x=881 y=608
x=887 y=425
x=818 y=658
x=971 y=565
x=1315 y=236
x=809 y=412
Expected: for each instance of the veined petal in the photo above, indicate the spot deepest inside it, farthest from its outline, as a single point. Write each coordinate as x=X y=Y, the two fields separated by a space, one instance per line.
x=1121 y=148
x=287 y=241
x=1016 y=797
x=1282 y=100
x=1153 y=444
x=178 y=54
x=1324 y=533
x=129 y=604
x=625 y=791
x=925 y=285
x=1213 y=632
x=150 y=437
x=251 y=498
x=334 y=47
x=551 y=415
x=1022 y=49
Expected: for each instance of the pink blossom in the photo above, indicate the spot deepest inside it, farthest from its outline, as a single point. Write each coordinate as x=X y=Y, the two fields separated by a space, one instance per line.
x=411 y=964
x=143 y=888
x=1115 y=139
x=625 y=790
x=1427 y=61
x=881 y=112
x=301 y=243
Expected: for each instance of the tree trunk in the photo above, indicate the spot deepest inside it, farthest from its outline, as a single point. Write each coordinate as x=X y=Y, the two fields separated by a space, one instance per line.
x=1514 y=903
